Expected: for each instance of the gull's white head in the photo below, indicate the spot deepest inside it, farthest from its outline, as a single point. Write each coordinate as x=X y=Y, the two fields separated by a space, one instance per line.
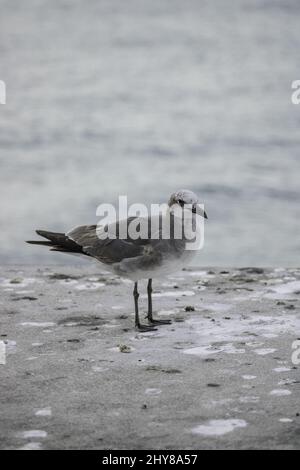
x=187 y=200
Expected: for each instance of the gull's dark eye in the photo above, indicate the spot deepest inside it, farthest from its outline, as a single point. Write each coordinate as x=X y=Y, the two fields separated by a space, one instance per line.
x=181 y=202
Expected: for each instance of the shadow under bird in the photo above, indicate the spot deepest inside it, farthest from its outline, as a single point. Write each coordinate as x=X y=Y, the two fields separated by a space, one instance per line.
x=137 y=258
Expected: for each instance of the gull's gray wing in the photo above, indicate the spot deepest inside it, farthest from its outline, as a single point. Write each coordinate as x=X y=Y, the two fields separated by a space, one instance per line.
x=109 y=250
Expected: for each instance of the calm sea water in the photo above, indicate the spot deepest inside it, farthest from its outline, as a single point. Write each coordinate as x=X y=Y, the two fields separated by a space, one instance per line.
x=145 y=97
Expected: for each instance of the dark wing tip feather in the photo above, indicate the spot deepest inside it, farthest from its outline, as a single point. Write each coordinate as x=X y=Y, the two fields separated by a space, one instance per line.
x=38 y=242
x=57 y=242
x=46 y=233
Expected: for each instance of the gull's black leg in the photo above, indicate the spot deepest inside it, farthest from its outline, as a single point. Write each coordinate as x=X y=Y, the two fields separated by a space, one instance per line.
x=150 y=315
x=149 y=292
x=136 y=307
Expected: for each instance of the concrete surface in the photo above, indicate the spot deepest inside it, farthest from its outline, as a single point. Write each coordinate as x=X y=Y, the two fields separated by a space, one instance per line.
x=78 y=376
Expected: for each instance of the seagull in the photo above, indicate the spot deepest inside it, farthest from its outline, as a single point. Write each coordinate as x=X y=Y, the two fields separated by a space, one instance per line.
x=136 y=258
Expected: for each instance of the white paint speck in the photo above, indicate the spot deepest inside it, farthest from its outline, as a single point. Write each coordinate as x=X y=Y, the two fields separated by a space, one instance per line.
x=33 y=433
x=99 y=369
x=250 y=399
x=153 y=391
x=207 y=350
x=249 y=377
x=24 y=292
x=217 y=307
x=264 y=352
x=285 y=420
x=254 y=344
x=166 y=312
x=44 y=412
x=196 y=273
x=176 y=278
x=281 y=369
x=175 y=293
x=288 y=288
x=283 y=290
x=221 y=402
x=218 y=427
x=38 y=324
x=111 y=325
x=280 y=392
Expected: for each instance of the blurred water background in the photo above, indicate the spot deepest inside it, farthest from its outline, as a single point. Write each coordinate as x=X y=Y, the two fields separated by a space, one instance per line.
x=143 y=97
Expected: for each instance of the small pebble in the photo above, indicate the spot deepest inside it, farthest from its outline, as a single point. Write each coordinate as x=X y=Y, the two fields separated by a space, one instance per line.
x=124 y=348
x=189 y=308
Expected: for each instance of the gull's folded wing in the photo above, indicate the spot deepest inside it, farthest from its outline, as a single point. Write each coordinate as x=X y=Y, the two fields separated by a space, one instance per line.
x=106 y=250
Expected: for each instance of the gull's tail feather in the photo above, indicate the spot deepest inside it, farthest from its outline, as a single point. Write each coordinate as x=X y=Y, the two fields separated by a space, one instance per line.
x=57 y=242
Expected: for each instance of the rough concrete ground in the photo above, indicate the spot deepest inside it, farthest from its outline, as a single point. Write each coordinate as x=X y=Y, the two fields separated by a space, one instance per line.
x=78 y=376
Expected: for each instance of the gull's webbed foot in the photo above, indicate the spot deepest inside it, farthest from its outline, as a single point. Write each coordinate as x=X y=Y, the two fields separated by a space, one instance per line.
x=152 y=321
x=145 y=328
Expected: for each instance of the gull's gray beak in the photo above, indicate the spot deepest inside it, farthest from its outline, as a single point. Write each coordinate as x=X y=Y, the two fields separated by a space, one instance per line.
x=198 y=210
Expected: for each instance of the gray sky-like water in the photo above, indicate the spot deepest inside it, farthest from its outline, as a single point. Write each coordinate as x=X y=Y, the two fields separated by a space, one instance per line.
x=146 y=97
